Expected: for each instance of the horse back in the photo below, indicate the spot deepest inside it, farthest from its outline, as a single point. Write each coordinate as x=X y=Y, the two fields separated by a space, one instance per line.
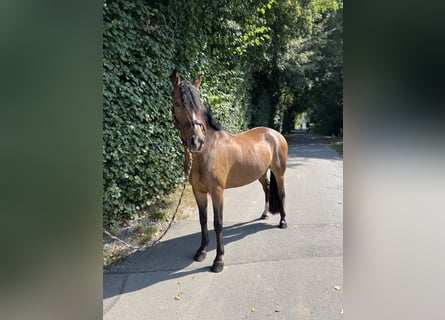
x=265 y=138
x=252 y=153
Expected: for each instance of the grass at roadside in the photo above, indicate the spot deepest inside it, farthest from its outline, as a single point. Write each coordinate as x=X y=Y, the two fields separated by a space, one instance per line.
x=338 y=146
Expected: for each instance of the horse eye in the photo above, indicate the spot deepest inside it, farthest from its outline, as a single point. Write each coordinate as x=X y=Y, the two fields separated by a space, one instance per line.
x=177 y=104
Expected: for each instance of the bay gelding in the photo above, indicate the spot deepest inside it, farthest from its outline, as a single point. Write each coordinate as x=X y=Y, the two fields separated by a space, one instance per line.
x=221 y=161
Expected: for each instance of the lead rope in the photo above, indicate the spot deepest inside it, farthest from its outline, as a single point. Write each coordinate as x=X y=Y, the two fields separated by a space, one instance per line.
x=138 y=248
x=189 y=169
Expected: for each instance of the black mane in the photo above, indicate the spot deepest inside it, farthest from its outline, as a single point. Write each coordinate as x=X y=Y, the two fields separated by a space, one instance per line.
x=190 y=98
x=213 y=123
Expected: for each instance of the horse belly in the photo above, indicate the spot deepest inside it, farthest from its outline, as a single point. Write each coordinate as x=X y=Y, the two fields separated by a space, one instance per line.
x=240 y=176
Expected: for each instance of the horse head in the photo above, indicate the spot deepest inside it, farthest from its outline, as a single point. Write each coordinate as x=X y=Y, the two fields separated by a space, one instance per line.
x=188 y=112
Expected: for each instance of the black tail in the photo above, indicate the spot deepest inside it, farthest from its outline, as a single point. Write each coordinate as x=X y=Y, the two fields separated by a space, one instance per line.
x=275 y=203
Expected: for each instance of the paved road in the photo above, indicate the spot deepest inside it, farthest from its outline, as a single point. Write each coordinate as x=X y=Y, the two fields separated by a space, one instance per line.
x=270 y=273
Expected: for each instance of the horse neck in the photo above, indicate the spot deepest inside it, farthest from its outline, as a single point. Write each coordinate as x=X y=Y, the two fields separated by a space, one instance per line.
x=212 y=134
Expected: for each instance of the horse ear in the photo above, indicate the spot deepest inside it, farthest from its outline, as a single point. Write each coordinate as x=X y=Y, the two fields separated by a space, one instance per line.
x=175 y=78
x=197 y=81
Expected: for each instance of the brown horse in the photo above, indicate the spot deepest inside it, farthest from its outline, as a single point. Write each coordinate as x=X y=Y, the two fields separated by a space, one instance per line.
x=221 y=161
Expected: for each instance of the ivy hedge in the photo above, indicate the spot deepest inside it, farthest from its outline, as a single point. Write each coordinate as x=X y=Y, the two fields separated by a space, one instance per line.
x=142 y=44
x=140 y=153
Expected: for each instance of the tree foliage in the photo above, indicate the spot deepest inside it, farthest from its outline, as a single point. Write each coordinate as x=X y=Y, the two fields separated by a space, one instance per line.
x=304 y=65
x=263 y=61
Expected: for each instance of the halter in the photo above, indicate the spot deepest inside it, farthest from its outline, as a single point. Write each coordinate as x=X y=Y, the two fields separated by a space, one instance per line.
x=185 y=126
x=191 y=123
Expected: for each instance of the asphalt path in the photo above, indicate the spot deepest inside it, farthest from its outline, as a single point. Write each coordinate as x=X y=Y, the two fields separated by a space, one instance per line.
x=269 y=273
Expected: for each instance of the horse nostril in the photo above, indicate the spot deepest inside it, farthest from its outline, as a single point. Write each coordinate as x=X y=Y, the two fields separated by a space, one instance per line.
x=196 y=140
x=195 y=143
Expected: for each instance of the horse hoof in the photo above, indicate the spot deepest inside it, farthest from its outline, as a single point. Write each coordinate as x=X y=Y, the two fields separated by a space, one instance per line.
x=217 y=267
x=265 y=216
x=283 y=225
x=199 y=256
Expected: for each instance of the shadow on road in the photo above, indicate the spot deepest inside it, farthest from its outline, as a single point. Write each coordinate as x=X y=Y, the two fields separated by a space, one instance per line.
x=304 y=145
x=168 y=259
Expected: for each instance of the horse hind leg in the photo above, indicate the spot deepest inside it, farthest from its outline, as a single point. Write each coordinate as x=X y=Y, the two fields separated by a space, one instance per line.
x=276 y=198
x=265 y=184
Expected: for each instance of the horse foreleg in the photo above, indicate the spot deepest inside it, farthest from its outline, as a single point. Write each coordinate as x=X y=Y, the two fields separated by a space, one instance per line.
x=265 y=183
x=218 y=200
x=201 y=200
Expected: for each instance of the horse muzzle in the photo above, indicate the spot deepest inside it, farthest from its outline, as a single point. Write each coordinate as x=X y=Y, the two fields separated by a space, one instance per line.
x=195 y=144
